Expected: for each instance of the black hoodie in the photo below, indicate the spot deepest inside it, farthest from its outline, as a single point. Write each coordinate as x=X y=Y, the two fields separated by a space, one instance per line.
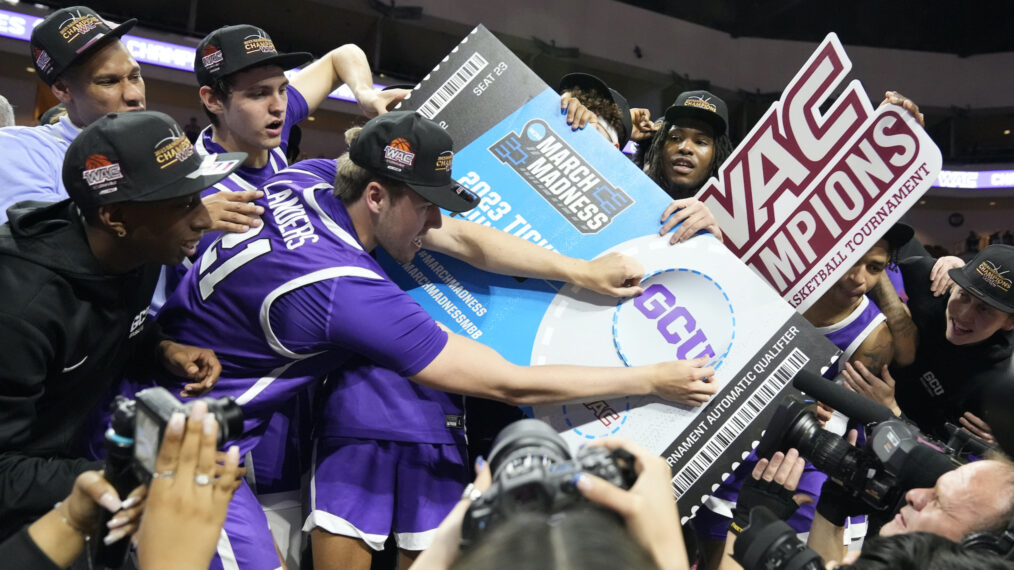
x=68 y=330
x=946 y=380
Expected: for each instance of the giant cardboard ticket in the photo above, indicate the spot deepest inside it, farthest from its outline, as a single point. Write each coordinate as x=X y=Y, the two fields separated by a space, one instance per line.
x=573 y=192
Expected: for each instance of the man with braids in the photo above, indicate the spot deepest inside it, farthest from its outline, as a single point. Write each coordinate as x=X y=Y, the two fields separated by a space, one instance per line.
x=687 y=149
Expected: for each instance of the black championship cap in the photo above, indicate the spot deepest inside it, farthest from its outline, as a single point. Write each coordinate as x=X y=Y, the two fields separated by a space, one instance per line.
x=988 y=277
x=66 y=36
x=141 y=156
x=588 y=82
x=898 y=235
x=409 y=148
x=700 y=105
x=235 y=48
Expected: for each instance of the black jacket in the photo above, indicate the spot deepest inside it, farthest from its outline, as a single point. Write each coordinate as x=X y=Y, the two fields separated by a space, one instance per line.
x=67 y=331
x=946 y=380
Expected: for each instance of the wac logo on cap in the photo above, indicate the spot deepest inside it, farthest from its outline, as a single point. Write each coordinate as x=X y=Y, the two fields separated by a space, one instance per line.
x=211 y=57
x=172 y=149
x=398 y=155
x=101 y=173
x=258 y=42
x=993 y=274
x=78 y=24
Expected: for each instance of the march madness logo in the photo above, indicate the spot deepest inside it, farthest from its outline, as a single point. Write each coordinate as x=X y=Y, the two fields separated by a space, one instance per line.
x=560 y=175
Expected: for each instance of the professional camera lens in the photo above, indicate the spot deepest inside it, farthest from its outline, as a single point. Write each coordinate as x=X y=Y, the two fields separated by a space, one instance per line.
x=769 y=543
x=525 y=444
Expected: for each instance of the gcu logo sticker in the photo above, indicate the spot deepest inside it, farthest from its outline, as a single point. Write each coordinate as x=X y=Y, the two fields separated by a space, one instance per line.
x=682 y=314
x=560 y=175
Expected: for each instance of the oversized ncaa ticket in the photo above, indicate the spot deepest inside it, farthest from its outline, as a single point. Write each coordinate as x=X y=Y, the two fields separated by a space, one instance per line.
x=575 y=193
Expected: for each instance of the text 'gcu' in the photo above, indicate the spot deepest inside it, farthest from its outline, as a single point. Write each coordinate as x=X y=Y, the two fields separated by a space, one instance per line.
x=674 y=322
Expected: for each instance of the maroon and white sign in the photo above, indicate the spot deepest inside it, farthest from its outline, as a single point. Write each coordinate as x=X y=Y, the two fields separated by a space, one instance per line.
x=806 y=194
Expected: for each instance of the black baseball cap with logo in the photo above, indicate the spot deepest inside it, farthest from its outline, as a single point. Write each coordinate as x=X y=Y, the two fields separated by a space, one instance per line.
x=235 y=48
x=988 y=277
x=141 y=156
x=701 y=105
x=68 y=35
x=588 y=82
x=409 y=148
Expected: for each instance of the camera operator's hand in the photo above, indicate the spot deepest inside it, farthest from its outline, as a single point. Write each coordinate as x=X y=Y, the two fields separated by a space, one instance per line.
x=187 y=503
x=977 y=427
x=682 y=381
x=880 y=389
x=648 y=508
x=60 y=534
x=447 y=541
x=772 y=485
x=198 y=364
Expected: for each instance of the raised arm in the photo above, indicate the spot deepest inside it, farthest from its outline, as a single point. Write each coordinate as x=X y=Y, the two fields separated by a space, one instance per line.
x=904 y=335
x=500 y=252
x=470 y=368
x=346 y=64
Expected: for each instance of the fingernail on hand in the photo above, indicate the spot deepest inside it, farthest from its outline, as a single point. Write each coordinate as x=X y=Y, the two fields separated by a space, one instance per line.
x=110 y=502
x=176 y=423
x=130 y=502
x=582 y=482
x=209 y=426
x=114 y=536
x=117 y=522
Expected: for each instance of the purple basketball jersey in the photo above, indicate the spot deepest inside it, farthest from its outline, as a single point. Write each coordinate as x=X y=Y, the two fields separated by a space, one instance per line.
x=285 y=304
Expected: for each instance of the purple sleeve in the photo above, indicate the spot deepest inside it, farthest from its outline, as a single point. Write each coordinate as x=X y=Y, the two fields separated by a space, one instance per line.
x=368 y=317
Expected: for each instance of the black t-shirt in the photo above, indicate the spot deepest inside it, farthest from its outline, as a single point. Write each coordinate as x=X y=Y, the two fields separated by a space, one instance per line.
x=946 y=380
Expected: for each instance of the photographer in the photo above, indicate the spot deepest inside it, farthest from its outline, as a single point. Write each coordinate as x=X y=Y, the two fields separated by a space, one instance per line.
x=180 y=509
x=647 y=508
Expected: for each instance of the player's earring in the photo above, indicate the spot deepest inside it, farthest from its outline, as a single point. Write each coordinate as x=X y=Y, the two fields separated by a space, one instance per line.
x=120 y=232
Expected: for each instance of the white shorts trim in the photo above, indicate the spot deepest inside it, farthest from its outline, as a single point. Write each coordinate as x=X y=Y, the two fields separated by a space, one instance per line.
x=337 y=525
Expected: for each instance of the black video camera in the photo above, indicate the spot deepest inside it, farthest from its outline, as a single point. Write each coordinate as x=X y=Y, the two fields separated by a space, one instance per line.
x=133 y=442
x=146 y=417
x=896 y=457
x=533 y=471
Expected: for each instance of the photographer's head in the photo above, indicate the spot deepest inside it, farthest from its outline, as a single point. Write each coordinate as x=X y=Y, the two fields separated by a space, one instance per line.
x=975 y=497
x=919 y=551
x=981 y=302
x=580 y=538
x=395 y=179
